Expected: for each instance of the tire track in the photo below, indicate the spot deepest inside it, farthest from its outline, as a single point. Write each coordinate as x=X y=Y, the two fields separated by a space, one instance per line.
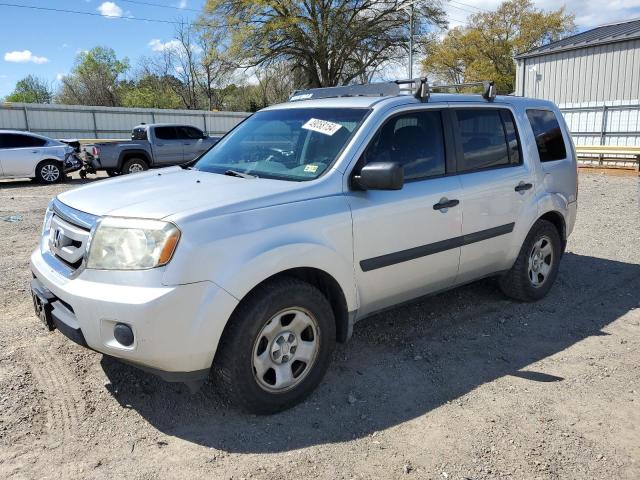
x=62 y=399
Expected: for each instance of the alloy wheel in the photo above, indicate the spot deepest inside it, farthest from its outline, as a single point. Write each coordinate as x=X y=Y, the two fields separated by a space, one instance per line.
x=50 y=173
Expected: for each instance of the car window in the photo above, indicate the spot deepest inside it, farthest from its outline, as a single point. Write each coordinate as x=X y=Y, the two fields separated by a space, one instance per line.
x=483 y=138
x=139 y=133
x=166 y=133
x=548 y=135
x=296 y=144
x=513 y=140
x=415 y=140
x=190 y=133
x=14 y=140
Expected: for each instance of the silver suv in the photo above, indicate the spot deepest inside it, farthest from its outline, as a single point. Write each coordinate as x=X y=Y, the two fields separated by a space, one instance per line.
x=306 y=218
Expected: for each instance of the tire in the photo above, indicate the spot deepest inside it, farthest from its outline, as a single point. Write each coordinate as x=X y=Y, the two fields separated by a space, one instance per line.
x=113 y=173
x=134 y=165
x=259 y=366
x=536 y=267
x=49 y=172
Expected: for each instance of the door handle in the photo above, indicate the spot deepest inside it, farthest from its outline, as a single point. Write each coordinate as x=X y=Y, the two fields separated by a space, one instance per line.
x=186 y=144
x=160 y=144
x=521 y=187
x=445 y=203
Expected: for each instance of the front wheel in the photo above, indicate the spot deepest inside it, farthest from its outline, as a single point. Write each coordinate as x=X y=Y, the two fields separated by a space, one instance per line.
x=536 y=267
x=277 y=347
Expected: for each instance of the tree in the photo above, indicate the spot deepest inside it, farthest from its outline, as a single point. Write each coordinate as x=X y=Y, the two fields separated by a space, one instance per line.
x=95 y=79
x=150 y=91
x=193 y=58
x=484 y=49
x=276 y=82
x=332 y=42
x=31 y=89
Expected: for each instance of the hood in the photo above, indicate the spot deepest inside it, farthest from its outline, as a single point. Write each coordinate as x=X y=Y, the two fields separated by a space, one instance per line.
x=159 y=193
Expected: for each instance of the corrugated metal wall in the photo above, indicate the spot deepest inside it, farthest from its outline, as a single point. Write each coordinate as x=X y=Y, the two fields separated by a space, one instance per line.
x=601 y=73
x=71 y=121
x=597 y=88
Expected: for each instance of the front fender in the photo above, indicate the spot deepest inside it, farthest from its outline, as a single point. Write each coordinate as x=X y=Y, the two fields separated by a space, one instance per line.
x=239 y=282
x=239 y=251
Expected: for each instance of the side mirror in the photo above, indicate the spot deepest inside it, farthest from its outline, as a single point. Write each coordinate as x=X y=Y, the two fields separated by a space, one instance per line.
x=380 y=176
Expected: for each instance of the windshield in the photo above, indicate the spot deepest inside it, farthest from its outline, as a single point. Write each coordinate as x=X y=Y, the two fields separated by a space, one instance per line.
x=288 y=144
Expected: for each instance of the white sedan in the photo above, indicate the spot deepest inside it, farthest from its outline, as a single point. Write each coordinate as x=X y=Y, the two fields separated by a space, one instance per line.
x=25 y=154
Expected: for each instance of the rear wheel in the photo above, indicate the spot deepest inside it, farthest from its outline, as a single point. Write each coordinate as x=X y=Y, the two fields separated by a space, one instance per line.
x=134 y=165
x=277 y=347
x=49 y=171
x=536 y=267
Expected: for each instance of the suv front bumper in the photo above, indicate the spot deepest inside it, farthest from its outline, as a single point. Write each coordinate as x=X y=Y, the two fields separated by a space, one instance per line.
x=176 y=328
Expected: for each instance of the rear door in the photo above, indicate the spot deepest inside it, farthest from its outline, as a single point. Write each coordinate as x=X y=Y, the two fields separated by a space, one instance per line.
x=405 y=245
x=497 y=186
x=192 y=141
x=167 y=146
x=20 y=153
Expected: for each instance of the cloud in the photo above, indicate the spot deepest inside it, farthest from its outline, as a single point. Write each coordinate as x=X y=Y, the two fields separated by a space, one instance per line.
x=59 y=76
x=182 y=4
x=158 y=45
x=110 y=9
x=24 y=56
x=589 y=13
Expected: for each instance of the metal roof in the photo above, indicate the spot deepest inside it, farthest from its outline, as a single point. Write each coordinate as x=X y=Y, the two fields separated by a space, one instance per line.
x=611 y=33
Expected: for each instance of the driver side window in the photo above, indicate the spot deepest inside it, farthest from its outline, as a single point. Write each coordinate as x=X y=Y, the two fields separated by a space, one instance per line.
x=415 y=140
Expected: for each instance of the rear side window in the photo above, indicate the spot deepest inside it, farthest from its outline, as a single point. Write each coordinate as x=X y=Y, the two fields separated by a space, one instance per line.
x=546 y=129
x=13 y=140
x=488 y=139
x=415 y=140
x=139 y=134
x=166 y=133
x=189 y=133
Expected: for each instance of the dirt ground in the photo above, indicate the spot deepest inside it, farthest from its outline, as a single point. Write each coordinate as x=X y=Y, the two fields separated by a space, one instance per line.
x=463 y=385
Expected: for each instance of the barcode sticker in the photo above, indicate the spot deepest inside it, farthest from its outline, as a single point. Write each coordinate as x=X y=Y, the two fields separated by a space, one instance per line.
x=322 y=126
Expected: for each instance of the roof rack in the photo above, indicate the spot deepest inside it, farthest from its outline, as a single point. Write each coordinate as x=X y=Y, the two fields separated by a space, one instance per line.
x=419 y=88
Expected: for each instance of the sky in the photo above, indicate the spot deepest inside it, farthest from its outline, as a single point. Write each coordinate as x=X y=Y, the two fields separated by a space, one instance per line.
x=45 y=43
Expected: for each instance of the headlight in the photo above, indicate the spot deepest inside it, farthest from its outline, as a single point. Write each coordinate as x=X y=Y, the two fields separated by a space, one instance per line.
x=132 y=244
x=47 y=218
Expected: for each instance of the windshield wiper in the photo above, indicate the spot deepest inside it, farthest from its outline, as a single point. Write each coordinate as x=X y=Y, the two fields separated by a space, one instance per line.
x=235 y=173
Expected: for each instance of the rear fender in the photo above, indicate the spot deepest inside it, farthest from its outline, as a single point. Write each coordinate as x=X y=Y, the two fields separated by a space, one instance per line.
x=125 y=154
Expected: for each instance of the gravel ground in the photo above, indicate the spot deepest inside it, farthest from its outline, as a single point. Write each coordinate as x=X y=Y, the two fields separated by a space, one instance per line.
x=463 y=385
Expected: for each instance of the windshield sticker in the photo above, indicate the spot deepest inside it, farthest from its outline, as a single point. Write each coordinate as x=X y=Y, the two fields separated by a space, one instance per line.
x=322 y=126
x=311 y=168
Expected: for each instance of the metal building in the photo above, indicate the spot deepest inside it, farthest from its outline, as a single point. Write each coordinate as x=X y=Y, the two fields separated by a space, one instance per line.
x=594 y=77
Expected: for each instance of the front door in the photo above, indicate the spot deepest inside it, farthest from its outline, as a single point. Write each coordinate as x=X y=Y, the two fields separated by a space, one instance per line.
x=167 y=147
x=405 y=243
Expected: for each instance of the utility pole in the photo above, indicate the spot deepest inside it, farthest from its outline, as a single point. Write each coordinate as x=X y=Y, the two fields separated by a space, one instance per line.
x=411 y=14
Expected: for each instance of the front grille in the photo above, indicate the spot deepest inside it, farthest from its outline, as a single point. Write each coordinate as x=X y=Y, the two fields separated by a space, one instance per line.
x=67 y=242
x=68 y=236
